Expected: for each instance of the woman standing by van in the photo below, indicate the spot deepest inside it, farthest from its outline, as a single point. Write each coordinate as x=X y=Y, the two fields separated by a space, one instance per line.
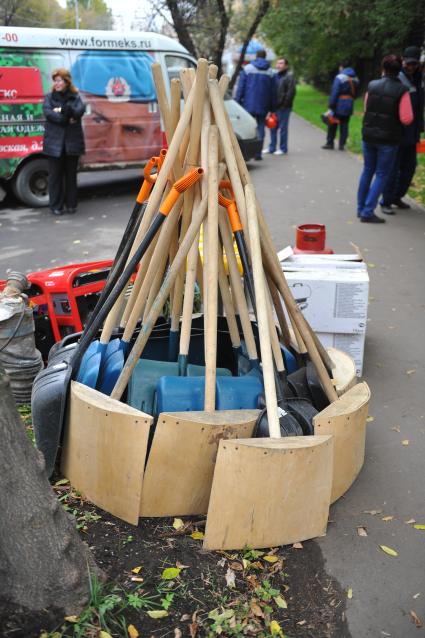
x=63 y=141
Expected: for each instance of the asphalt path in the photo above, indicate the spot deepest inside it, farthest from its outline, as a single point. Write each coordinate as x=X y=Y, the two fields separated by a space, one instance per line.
x=312 y=185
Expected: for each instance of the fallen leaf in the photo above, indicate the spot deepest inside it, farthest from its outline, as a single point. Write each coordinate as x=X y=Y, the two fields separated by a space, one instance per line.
x=297 y=546
x=370 y=419
x=197 y=536
x=410 y=371
x=62 y=482
x=410 y=521
x=405 y=442
x=132 y=631
x=396 y=428
x=419 y=526
x=104 y=634
x=415 y=619
x=417 y=595
x=246 y=563
x=77 y=241
x=349 y=593
x=185 y=617
x=301 y=622
x=372 y=512
x=178 y=523
x=388 y=550
x=193 y=629
x=281 y=602
x=361 y=531
x=256 y=609
x=371 y=265
x=170 y=573
x=230 y=577
x=181 y=566
x=275 y=629
x=137 y=579
x=177 y=633
x=71 y=618
x=387 y=518
x=271 y=559
x=136 y=570
x=236 y=566
x=157 y=613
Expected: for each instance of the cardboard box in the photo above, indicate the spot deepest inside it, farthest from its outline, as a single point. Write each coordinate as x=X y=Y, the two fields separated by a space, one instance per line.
x=333 y=292
x=332 y=300
x=351 y=344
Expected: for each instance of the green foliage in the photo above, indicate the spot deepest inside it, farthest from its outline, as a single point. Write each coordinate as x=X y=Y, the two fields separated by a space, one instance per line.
x=93 y=14
x=316 y=35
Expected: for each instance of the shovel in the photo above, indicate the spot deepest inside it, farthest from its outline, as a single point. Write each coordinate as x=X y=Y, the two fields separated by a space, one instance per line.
x=90 y=373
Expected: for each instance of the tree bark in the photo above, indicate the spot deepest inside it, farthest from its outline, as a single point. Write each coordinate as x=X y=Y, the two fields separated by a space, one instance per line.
x=262 y=10
x=224 y=25
x=43 y=561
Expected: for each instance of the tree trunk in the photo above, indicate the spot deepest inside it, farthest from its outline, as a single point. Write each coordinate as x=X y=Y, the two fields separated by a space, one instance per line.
x=180 y=26
x=43 y=561
x=262 y=10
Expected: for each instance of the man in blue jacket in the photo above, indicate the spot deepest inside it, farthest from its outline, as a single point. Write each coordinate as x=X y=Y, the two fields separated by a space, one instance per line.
x=405 y=164
x=255 y=91
x=341 y=102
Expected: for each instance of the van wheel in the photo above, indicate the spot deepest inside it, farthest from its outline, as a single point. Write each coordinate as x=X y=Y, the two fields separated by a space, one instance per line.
x=30 y=184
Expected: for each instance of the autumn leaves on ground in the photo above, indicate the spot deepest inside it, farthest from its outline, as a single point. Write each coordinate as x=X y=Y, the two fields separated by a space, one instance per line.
x=161 y=583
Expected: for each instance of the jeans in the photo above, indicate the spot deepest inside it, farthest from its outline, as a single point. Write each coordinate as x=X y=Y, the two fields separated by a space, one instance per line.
x=282 y=126
x=63 y=181
x=378 y=162
x=260 y=131
x=343 y=131
x=401 y=175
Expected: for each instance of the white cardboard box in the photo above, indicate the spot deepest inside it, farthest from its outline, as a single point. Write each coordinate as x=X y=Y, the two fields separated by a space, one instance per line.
x=351 y=344
x=332 y=300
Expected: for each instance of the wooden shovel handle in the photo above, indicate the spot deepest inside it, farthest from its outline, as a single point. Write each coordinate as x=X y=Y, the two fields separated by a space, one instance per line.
x=228 y=302
x=263 y=320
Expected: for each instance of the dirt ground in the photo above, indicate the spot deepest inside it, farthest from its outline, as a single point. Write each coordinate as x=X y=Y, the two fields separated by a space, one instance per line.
x=161 y=583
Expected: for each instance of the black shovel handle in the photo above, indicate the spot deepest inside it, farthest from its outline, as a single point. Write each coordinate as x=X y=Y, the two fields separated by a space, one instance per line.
x=91 y=330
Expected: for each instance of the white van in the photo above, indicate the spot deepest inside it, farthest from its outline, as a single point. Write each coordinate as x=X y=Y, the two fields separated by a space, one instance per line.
x=112 y=71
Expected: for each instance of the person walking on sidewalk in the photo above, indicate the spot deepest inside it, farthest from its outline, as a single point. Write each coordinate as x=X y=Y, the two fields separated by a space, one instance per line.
x=255 y=91
x=63 y=141
x=405 y=164
x=388 y=109
x=285 y=89
x=341 y=102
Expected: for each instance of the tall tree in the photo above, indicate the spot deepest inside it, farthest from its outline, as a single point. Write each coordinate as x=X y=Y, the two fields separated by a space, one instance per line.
x=43 y=561
x=91 y=14
x=31 y=13
x=316 y=34
x=202 y=26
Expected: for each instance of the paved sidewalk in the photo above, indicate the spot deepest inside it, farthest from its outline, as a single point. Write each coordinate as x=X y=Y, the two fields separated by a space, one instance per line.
x=314 y=185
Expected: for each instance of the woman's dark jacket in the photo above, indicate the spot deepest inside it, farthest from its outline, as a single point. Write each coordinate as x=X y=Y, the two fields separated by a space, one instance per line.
x=381 y=122
x=63 y=131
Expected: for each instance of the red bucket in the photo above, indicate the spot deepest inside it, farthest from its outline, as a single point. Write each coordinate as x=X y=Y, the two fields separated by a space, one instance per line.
x=311 y=238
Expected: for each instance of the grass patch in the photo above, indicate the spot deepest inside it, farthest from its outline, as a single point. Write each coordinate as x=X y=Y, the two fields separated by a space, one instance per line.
x=310 y=103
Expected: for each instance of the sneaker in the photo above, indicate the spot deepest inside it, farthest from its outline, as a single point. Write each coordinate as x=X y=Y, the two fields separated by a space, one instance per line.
x=258 y=158
x=387 y=210
x=372 y=219
x=57 y=211
x=400 y=204
x=265 y=151
x=71 y=211
x=328 y=147
x=279 y=152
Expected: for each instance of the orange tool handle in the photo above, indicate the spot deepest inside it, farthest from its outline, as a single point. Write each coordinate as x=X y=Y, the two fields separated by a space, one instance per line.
x=180 y=187
x=148 y=181
x=226 y=185
x=232 y=211
x=161 y=158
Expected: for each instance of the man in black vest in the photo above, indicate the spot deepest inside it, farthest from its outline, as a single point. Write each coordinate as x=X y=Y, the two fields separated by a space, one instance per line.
x=405 y=164
x=387 y=110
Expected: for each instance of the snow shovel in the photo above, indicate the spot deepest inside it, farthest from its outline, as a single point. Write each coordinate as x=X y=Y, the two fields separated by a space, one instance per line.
x=89 y=373
x=98 y=347
x=50 y=395
x=238 y=513
x=186 y=442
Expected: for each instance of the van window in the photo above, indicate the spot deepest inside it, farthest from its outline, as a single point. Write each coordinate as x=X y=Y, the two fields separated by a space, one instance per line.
x=175 y=63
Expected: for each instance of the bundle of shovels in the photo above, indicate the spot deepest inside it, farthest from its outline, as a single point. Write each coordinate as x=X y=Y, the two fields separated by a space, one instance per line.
x=217 y=365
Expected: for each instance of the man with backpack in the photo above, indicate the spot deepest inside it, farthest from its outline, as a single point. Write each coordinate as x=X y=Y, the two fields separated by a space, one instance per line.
x=341 y=103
